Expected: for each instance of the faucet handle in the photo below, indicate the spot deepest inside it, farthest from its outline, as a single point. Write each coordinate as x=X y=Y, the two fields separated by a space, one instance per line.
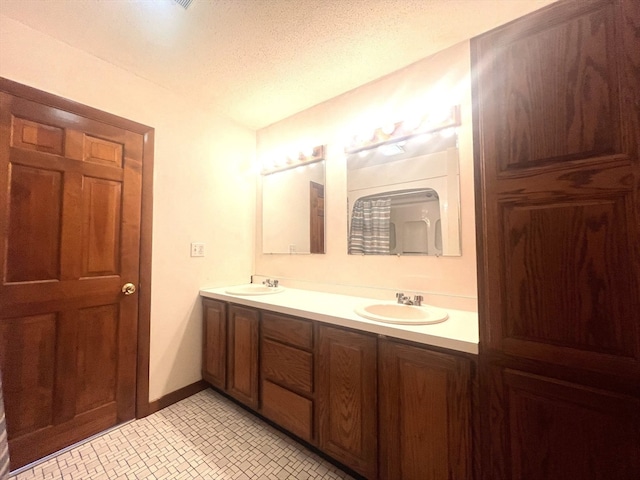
x=417 y=300
x=275 y=283
x=400 y=297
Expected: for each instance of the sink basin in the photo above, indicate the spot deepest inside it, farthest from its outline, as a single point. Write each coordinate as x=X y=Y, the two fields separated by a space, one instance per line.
x=402 y=314
x=253 y=289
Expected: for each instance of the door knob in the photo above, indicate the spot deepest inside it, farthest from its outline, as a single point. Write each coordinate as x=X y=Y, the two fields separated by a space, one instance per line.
x=128 y=288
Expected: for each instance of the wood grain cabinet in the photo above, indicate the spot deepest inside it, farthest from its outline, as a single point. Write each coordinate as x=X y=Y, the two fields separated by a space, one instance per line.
x=347 y=398
x=552 y=429
x=346 y=392
x=214 y=338
x=286 y=373
x=242 y=355
x=556 y=146
x=424 y=413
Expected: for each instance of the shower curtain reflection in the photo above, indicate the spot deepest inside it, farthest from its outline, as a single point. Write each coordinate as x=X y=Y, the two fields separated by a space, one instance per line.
x=369 y=233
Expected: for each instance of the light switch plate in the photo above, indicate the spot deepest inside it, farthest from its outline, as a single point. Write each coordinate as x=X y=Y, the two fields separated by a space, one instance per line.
x=197 y=249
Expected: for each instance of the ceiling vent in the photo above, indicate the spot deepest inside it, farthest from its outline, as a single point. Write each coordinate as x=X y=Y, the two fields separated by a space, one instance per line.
x=183 y=3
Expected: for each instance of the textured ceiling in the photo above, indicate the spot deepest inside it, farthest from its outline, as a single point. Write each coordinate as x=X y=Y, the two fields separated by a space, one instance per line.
x=259 y=61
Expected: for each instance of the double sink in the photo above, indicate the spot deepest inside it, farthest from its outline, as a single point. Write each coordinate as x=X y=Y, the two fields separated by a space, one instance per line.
x=379 y=311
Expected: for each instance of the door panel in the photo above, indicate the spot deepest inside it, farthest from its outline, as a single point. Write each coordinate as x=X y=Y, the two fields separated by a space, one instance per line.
x=73 y=189
x=97 y=341
x=214 y=339
x=242 y=355
x=33 y=243
x=568 y=260
x=29 y=342
x=101 y=151
x=557 y=137
x=101 y=227
x=425 y=413
x=561 y=97
x=347 y=398
x=36 y=136
x=553 y=429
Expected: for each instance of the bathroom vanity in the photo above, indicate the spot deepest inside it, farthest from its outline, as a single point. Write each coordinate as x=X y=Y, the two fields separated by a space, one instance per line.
x=387 y=401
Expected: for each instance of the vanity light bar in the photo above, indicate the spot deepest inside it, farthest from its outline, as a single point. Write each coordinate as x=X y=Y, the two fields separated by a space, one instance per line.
x=396 y=132
x=295 y=160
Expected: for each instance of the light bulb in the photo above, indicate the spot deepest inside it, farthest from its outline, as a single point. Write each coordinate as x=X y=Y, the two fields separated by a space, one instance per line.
x=389 y=128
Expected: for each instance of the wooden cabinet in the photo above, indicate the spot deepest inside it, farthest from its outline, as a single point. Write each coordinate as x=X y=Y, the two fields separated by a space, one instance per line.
x=425 y=414
x=242 y=355
x=230 y=349
x=551 y=429
x=347 y=398
x=332 y=387
x=286 y=373
x=556 y=145
x=214 y=338
x=557 y=155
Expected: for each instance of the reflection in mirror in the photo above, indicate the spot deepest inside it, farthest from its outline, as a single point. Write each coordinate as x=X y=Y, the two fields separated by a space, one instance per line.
x=293 y=210
x=399 y=222
x=405 y=200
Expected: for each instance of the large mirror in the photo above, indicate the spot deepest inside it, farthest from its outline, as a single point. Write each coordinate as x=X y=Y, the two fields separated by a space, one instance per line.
x=404 y=197
x=293 y=210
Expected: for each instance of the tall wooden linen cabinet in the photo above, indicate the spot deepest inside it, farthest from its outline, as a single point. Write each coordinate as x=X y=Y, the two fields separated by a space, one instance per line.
x=557 y=154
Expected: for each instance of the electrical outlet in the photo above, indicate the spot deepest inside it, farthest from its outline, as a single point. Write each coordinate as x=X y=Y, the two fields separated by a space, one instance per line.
x=197 y=249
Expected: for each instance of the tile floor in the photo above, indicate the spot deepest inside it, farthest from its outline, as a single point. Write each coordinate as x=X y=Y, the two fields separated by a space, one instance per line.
x=204 y=436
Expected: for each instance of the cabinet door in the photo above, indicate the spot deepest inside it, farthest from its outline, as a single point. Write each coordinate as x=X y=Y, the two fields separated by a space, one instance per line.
x=347 y=398
x=556 y=144
x=242 y=357
x=556 y=141
x=425 y=406
x=555 y=430
x=214 y=339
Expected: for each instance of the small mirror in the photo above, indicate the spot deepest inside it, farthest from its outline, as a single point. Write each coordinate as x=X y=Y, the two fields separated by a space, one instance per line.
x=404 y=197
x=293 y=210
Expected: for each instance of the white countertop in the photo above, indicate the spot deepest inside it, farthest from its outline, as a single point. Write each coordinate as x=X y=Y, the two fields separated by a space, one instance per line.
x=458 y=332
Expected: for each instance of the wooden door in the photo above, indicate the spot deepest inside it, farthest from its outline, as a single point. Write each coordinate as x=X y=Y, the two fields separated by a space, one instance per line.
x=242 y=355
x=214 y=338
x=558 y=137
x=425 y=414
x=316 y=227
x=70 y=190
x=347 y=398
x=557 y=145
x=556 y=430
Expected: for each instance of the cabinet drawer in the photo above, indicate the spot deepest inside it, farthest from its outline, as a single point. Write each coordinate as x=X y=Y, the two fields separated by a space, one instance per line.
x=287 y=409
x=287 y=366
x=288 y=330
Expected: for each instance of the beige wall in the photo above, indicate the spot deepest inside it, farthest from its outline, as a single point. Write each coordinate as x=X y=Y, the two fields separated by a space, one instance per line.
x=203 y=187
x=443 y=77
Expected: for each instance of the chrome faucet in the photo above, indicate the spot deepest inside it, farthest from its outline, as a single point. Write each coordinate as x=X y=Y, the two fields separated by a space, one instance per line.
x=270 y=283
x=404 y=300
